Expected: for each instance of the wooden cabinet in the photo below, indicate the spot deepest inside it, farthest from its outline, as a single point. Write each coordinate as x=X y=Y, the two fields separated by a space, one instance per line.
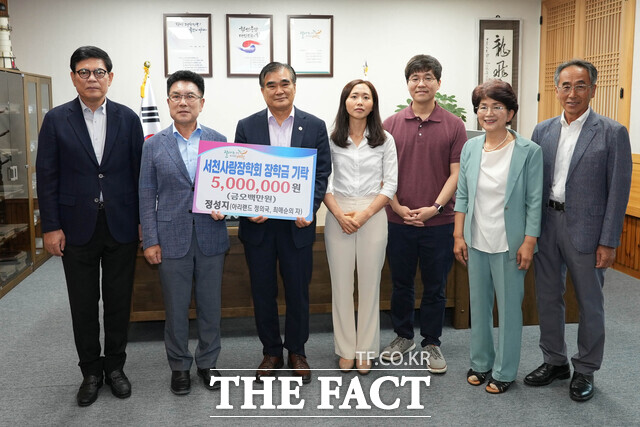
x=628 y=253
x=147 y=301
x=24 y=100
x=37 y=92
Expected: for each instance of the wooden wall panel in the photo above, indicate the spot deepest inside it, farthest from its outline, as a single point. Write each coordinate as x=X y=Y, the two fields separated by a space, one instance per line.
x=602 y=17
x=557 y=44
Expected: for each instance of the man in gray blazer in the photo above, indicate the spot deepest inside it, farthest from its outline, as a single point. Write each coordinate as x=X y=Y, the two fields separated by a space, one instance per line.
x=587 y=177
x=189 y=248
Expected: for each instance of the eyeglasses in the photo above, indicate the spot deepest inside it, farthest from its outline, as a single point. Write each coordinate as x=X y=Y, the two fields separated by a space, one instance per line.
x=85 y=73
x=416 y=80
x=566 y=89
x=190 y=97
x=496 y=109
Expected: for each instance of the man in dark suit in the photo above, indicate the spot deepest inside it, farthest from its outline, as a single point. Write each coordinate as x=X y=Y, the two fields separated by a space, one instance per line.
x=88 y=165
x=188 y=247
x=267 y=242
x=587 y=177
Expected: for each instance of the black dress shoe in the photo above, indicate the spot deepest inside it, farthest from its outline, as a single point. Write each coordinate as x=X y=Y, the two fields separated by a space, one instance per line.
x=206 y=375
x=581 y=387
x=180 y=382
x=88 y=392
x=546 y=373
x=120 y=385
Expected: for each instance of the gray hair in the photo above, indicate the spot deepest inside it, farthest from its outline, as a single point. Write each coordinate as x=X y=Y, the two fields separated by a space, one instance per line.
x=275 y=66
x=593 y=72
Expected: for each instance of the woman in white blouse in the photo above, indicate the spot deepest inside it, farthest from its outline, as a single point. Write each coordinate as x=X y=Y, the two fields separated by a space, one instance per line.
x=364 y=179
x=497 y=223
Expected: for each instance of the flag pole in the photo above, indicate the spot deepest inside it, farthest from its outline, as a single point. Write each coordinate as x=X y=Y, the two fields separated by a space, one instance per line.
x=149 y=116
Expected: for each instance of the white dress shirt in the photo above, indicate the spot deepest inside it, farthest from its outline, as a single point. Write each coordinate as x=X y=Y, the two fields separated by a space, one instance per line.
x=359 y=171
x=280 y=135
x=569 y=134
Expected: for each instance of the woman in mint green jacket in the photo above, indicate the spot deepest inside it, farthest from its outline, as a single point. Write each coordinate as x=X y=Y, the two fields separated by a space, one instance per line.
x=498 y=210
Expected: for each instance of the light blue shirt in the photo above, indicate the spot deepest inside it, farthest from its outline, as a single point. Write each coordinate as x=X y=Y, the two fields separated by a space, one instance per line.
x=189 y=149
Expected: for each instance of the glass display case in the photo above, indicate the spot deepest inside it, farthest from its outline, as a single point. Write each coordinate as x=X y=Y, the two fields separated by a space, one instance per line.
x=38 y=99
x=24 y=99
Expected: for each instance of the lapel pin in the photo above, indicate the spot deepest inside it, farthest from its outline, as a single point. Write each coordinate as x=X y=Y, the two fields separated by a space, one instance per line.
x=300 y=128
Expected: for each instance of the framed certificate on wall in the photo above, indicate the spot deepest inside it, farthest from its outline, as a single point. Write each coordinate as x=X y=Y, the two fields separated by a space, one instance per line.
x=310 y=45
x=249 y=44
x=187 y=43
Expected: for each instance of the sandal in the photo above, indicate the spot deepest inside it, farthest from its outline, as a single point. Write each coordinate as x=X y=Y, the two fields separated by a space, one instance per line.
x=501 y=386
x=480 y=377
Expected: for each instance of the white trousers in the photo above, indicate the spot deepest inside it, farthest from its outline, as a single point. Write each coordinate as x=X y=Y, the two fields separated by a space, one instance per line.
x=364 y=249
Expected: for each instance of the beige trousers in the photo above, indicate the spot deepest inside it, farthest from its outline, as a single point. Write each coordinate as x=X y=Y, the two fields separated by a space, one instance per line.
x=364 y=249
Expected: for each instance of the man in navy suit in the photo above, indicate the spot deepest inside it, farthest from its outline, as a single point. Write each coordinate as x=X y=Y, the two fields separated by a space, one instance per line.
x=587 y=178
x=268 y=242
x=87 y=168
x=188 y=247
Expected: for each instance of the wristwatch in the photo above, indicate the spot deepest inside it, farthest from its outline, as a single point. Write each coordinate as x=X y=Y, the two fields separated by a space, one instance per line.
x=440 y=208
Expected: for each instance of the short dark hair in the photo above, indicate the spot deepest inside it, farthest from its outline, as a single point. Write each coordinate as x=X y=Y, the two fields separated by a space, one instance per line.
x=340 y=133
x=593 y=72
x=88 y=52
x=423 y=63
x=275 y=66
x=496 y=89
x=186 y=76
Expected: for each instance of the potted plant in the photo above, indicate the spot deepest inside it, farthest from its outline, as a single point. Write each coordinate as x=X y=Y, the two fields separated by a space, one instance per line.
x=448 y=102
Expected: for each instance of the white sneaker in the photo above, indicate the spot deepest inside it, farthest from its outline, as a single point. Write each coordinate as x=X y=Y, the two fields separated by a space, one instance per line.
x=435 y=360
x=397 y=348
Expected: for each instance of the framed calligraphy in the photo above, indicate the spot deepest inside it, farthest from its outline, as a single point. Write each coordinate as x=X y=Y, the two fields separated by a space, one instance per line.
x=249 y=44
x=310 y=45
x=187 y=43
x=500 y=53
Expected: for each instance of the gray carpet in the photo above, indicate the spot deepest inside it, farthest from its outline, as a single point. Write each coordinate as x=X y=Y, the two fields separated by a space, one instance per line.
x=39 y=374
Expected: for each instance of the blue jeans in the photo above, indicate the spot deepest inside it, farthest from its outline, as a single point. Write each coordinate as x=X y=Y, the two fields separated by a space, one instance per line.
x=432 y=247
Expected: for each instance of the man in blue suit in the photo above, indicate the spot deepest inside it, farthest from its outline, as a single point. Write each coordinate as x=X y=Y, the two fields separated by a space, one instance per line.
x=188 y=247
x=587 y=177
x=87 y=168
x=289 y=243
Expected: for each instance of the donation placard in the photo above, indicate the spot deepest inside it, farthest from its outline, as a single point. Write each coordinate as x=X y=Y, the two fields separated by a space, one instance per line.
x=253 y=180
